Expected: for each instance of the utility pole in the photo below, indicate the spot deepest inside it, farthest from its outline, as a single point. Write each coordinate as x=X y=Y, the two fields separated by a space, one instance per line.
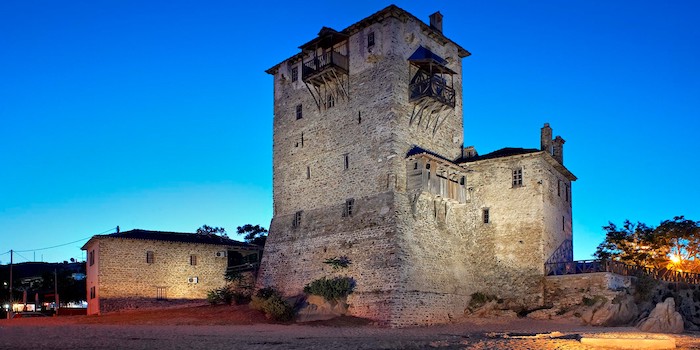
x=55 y=289
x=9 y=312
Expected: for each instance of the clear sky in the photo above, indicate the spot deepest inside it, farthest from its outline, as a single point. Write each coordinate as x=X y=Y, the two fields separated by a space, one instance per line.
x=158 y=114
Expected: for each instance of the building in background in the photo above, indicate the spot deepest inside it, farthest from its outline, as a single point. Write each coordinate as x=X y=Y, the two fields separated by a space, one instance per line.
x=369 y=163
x=140 y=268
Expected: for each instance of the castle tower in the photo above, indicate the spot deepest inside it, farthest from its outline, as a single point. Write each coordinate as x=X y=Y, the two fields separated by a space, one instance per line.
x=368 y=164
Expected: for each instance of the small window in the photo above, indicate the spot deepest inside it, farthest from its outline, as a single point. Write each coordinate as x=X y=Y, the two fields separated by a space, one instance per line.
x=92 y=257
x=193 y=260
x=559 y=188
x=349 y=207
x=93 y=294
x=415 y=166
x=308 y=172
x=359 y=117
x=518 y=177
x=563 y=223
x=463 y=180
x=297 y=219
x=346 y=161
x=330 y=101
x=567 y=192
x=295 y=73
x=150 y=258
x=370 y=39
x=160 y=293
x=299 y=112
x=486 y=216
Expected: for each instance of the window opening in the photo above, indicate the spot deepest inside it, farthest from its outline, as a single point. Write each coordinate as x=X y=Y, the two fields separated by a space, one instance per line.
x=92 y=257
x=297 y=219
x=150 y=258
x=160 y=293
x=359 y=117
x=349 y=207
x=193 y=260
x=295 y=73
x=346 y=161
x=370 y=39
x=308 y=172
x=518 y=177
x=559 y=188
x=330 y=101
x=486 y=216
x=93 y=294
x=299 y=111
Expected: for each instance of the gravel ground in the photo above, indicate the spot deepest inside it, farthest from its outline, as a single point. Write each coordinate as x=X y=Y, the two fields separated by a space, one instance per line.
x=246 y=330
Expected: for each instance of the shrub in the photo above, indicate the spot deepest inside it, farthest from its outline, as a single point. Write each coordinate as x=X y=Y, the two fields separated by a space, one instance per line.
x=220 y=296
x=331 y=289
x=269 y=301
x=644 y=285
x=478 y=300
x=338 y=263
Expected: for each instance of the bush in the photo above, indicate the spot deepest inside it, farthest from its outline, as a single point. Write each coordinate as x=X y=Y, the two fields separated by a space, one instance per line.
x=478 y=300
x=269 y=301
x=331 y=289
x=220 y=296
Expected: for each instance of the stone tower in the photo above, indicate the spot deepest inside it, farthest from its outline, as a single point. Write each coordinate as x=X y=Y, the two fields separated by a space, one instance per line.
x=369 y=164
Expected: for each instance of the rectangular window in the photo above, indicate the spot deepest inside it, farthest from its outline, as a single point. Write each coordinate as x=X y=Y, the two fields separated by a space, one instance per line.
x=92 y=257
x=297 y=219
x=160 y=293
x=517 y=177
x=150 y=258
x=370 y=39
x=346 y=161
x=299 y=112
x=193 y=260
x=330 y=101
x=349 y=207
x=559 y=188
x=563 y=223
x=485 y=216
x=92 y=293
x=567 y=193
x=295 y=73
x=308 y=172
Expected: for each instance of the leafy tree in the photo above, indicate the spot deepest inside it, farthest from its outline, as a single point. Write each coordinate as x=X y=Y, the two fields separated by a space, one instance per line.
x=208 y=230
x=253 y=234
x=672 y=244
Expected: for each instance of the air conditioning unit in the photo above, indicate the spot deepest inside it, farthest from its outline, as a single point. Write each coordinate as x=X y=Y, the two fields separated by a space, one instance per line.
x=221 y=254
x=192 y=279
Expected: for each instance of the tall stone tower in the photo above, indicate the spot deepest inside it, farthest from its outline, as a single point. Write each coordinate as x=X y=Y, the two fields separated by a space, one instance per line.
x=369 y=164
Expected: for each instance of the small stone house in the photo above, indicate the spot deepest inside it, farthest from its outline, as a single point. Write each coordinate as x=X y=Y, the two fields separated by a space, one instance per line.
x=141 y=268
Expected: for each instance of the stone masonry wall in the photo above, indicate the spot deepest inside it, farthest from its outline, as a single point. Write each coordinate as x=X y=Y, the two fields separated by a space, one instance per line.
x=122 y=273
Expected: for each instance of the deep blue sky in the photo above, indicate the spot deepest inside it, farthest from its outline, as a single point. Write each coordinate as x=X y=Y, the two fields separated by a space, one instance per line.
x=158 y=114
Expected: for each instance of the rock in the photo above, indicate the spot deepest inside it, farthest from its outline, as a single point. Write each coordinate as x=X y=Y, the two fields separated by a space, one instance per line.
x=316 y=308
x=663 y=319
x=621 y=311
x=542 y=314
x=491 y=309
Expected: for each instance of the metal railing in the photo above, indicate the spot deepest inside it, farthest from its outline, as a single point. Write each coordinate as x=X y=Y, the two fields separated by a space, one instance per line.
x=590 y=266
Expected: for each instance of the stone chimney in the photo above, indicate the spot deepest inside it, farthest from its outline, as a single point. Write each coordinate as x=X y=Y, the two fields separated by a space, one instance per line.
x=436 y=21
x=546 y=138
x=558 y=149
x=469 y=152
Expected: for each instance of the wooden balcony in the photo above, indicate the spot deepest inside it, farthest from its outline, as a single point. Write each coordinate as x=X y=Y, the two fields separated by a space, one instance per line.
x=433 y=86
x=324 y=67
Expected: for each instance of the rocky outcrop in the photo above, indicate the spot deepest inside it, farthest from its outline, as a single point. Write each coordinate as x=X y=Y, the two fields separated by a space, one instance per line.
x=663 y=319
x=621 y=311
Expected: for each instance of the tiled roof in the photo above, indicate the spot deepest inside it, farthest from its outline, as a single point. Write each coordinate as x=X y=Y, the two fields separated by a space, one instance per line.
x=503 y=152
x=177 y=237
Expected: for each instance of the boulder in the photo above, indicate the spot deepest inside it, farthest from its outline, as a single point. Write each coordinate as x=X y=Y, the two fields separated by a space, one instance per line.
x=621 y=311
x=663 y=319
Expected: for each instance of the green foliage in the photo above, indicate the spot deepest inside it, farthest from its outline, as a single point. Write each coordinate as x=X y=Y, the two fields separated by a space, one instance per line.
x=253 y=234
x=479 y=299
x=241 y=286
x=208 y=230
x=220 y=296
x=642 y=245
x=331 y=289
x=644 y=285
x=270 y=301
x=338 y=263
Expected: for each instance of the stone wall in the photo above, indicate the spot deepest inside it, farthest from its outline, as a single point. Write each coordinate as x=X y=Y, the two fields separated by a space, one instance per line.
x=570 y=290
x=120 y=272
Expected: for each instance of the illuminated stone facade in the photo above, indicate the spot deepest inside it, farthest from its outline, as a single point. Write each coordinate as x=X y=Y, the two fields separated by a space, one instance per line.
x=369 y=163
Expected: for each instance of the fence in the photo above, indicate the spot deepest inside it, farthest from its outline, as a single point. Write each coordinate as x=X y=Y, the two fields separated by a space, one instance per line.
x=590 y=266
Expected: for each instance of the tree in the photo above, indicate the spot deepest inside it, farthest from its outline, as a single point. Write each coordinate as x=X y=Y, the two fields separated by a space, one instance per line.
x=673 y=244
x=208 y=230
x=253 y=234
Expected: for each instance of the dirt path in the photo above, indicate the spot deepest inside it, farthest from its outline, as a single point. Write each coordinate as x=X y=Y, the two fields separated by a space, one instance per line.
x=241 y=328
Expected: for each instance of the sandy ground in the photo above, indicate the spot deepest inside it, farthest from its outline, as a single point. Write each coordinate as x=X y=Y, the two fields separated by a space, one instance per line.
x=224 y=327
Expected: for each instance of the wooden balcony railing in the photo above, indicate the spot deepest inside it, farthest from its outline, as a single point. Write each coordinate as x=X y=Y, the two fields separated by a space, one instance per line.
x=434 y=87
x=326 y=61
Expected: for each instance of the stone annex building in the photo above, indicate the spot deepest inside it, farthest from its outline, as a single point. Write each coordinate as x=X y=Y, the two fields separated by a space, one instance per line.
x=369 y=163
x=140 y=268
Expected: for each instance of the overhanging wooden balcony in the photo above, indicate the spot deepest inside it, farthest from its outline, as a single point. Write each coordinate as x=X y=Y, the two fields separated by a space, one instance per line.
x=327 y=66
x=425 y=85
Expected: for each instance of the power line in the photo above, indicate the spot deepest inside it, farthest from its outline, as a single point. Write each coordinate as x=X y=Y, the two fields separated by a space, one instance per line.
x=22 y=256
x=61 y=245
